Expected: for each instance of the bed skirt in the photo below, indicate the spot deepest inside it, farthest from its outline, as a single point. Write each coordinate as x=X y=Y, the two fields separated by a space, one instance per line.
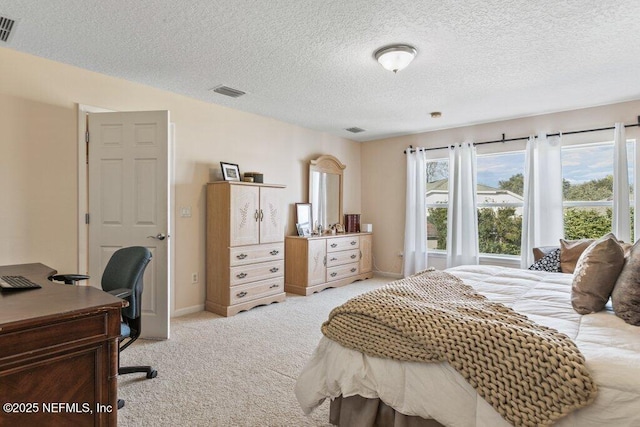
x=357 y=411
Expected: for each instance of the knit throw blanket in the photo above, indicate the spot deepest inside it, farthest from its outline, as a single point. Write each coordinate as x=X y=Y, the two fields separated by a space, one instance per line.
x=531 y=374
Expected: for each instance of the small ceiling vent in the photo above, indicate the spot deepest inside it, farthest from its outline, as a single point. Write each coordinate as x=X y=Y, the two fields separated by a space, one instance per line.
x=228 y=91
x=6 y=25
x=354 y=130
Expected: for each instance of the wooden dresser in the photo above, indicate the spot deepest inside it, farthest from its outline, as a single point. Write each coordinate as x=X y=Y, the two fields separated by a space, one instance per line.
x=245 y=248
x=316 y=263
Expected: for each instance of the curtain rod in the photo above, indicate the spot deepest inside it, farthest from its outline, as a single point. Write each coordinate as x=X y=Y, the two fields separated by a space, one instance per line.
x=523 y=138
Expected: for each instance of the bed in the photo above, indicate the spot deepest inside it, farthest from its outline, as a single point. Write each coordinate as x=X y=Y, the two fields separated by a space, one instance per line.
x=438 y=395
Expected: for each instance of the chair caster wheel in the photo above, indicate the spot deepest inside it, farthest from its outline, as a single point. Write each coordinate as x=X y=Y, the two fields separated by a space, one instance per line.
x=152 y=374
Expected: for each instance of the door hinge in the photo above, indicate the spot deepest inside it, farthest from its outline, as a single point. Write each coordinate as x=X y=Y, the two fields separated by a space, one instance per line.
x=86 y=137
x=86 y=218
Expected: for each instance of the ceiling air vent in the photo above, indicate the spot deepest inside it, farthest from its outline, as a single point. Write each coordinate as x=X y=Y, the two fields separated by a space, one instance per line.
x=6 y=25
x=228 y=91
x=354 y=130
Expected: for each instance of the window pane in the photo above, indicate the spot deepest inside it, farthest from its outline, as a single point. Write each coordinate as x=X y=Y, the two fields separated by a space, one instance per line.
x=593 y=186
x=437 y=228
x=500 y=182
x=499 y=230
x=587 y=222
x=587 y=173
x=501 y=177
x=437 y=199
x=437 y=181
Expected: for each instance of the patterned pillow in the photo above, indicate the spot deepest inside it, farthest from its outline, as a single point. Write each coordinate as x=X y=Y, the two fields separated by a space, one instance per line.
x=549 y=262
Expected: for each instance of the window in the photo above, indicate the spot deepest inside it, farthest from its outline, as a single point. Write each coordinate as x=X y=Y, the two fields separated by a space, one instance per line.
x=499 y=197
x=587 y=172
x=588 y=191
x=499 y=194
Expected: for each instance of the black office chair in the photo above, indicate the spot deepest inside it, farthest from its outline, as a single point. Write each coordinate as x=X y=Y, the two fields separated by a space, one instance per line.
x=123 y=278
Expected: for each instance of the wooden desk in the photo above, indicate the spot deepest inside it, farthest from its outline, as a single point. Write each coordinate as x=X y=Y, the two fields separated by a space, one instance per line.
x=58 y=353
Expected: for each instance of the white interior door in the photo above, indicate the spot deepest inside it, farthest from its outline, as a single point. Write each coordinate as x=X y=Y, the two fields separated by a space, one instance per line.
x=129 y=202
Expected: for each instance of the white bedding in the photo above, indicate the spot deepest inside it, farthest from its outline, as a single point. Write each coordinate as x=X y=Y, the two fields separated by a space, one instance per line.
x=435 y=390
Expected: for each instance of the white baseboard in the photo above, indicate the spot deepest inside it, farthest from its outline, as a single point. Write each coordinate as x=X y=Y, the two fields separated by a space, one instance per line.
x=188 y=310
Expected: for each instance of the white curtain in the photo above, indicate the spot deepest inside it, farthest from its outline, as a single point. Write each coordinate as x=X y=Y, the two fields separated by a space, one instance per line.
x=621 y=222
x=542 y=216
x=462 y=212
x=415 y=224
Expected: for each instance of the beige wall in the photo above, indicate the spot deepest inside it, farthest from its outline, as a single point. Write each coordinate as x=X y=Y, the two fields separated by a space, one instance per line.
x=384 y=171
x=38 y=161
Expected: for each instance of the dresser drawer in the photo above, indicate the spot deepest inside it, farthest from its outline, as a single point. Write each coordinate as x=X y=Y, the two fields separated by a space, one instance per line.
x=342 y=243
x=343 y=257
x=342 y=271
x=248 y=292
x=253 y=272
x=259 y=253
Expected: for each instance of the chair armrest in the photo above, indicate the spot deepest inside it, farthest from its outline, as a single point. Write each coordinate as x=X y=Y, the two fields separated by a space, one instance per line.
x=68 y=279
x=120 y=292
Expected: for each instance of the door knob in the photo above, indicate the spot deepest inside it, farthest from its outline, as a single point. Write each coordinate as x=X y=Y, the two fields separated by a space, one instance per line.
x=159 y=236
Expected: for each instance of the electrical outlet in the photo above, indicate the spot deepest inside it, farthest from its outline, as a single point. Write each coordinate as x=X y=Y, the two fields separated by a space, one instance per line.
x=194 y=278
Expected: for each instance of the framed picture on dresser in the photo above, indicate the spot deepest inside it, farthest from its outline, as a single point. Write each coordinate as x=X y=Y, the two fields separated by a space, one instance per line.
x=230 y=171
x=304 y=230
x=303 y=213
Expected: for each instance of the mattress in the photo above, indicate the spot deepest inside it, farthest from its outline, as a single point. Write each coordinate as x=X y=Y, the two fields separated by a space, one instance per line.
x=435 y=390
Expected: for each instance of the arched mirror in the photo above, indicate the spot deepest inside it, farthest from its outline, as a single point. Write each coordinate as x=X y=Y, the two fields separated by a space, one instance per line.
x=325 y=190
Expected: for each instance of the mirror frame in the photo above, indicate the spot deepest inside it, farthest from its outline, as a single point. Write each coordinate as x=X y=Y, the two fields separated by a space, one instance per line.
x=329 y=164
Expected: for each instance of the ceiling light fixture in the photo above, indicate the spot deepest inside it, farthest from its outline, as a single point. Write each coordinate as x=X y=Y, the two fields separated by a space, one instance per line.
x=397 y=57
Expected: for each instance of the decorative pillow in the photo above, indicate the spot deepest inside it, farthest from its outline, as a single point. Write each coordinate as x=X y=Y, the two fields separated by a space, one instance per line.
x=626 y=294
x=549 y=262
x=595 y=275
x=626 y=247
x=570 y=251
x=540 y=252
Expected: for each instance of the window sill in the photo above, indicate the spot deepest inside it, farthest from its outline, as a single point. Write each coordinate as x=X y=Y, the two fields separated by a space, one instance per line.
x=488 y=259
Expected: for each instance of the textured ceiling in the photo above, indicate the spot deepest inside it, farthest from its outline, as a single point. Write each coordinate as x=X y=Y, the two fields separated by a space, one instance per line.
x=310 y=62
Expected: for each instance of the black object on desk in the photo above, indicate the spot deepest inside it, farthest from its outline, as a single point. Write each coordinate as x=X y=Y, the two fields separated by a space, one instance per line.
x=12 y=283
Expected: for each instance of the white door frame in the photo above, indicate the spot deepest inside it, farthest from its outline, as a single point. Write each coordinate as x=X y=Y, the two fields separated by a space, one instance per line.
x=83 y=199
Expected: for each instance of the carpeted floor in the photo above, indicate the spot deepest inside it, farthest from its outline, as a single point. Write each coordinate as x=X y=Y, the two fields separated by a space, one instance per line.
x=235 y=371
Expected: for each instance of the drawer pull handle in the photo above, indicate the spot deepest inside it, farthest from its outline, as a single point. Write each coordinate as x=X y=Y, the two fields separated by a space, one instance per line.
x=333 y=245
x=334 y=274
x=241 y=294
x=274 y=252
x=333 y=259
x=353 y=256
x=274 y=269
x=242 y=256
x=353 y=270
x=353 y=242
x=241 y=275
x=275 y=285
x=256 y=215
